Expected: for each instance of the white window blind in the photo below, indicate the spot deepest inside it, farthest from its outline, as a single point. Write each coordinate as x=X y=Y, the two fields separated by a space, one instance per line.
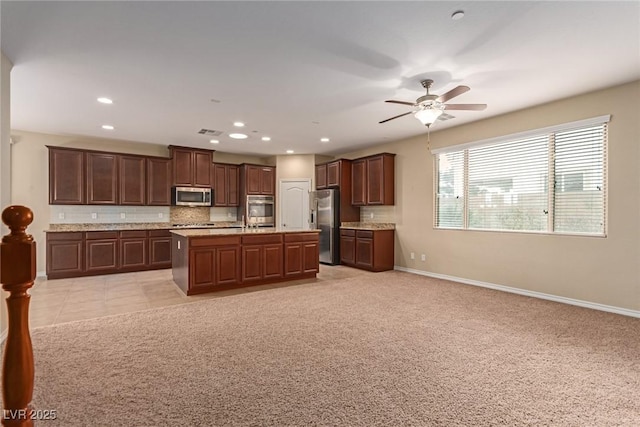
x=554 y=181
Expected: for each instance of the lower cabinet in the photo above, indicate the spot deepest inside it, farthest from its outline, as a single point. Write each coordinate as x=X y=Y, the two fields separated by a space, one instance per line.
x=261 y=257
x=301 y=254
x=214 y=262
x=367 y=249
x=73 y=254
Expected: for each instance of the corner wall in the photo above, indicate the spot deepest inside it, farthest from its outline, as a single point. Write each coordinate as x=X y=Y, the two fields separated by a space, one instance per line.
x=5 y=161
x=593 y=269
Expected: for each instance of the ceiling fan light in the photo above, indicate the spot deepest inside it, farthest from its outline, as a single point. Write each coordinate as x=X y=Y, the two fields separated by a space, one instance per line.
x=428 y=115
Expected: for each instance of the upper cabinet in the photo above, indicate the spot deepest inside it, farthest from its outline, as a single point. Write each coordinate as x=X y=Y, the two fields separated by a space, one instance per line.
x=191 y=167
x=66 y=177
x=133 y=177
x=226 y=184
x=258 y=179
x=102 y=178
x=337 y=174
x=372 y=181
x=158 y=181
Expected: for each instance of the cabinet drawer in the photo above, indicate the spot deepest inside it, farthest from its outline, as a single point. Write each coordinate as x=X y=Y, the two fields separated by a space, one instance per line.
x=129 y=234
x=215 y=241
x=159 y=233
x=349 y=233
x=95 y=235
x=259 y=240
x=65 y=236
x=364 y=234
x=302 y=237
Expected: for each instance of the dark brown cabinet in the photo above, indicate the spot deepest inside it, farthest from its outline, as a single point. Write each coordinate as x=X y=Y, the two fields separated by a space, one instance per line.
x=159 y=249
x=301 y=254
x=133 y=249
x=66 y=177
x=337 y=174
x=373 y=180
x=261 y=257
x=226 y=183
x=101 y=252
x=214 y=262
x=158 y=181
x=259 y=179
x=65 y=254
x=367 y=249
x=102 y=178
x=191 y=167
x=133 y=177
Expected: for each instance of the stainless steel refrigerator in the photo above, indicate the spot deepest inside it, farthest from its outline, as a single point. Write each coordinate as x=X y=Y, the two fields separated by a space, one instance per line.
x=325 y=214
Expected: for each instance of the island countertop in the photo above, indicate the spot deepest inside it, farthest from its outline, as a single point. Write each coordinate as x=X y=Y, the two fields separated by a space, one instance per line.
x=203 y=232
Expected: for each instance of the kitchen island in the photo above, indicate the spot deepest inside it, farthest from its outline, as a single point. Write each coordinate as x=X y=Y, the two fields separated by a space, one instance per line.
x=209 y=260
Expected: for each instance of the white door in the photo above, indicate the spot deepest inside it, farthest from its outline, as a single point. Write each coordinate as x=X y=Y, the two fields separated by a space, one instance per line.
x=294 y=204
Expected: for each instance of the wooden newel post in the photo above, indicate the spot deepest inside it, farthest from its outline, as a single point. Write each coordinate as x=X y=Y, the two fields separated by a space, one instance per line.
x=17 y=273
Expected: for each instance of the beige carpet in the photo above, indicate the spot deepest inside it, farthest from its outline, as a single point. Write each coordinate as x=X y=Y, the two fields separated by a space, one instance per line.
x=392 y=349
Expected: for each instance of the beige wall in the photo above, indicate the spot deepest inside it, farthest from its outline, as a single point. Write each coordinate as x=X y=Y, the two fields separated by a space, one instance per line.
x=30 y=172
x=5 y=160
x=598 y=270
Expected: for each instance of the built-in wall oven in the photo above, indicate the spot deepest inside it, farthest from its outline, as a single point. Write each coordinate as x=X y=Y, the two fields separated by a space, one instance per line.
x=259 y=211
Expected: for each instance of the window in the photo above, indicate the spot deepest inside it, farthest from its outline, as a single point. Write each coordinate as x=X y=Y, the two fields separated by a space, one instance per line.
x=550 y=180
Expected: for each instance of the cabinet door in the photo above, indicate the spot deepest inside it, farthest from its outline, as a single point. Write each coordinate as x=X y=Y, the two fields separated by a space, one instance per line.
x=252 y=179
x=202 y=164
x=133 y=253
x=158 y=182
x=220 y=185
x=358 y=182
x=102 y=179
x=252 y=263
x=293 y=257
x=233 y=186
x=364 y=252
x=333 y=174
x=132 y=180
x=66 y=177
x=310 y=257
x=321 y=177
x=268 y=181
x=375 y=177
x=202 y=268
x=272 y=261
x=228 y=265
x=347 y=249
x=64 y=254
x=102 y=255
x=159 y=252
x=182 y=163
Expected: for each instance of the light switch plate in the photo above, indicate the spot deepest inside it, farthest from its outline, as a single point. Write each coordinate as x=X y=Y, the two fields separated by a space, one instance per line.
x=94 y=215
x=122 y=215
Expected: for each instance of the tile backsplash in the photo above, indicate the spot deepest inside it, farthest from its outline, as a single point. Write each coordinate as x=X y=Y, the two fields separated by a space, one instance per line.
x=378 y=214
x=94 y=214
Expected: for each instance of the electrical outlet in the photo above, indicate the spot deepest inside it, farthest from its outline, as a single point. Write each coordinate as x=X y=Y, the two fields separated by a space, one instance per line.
x=94 y=215
x=413 y=255
x=423 y=257
x=160 y=215
x=61 y=215
x=228 y=214
x=371 y=215
x=122 y=215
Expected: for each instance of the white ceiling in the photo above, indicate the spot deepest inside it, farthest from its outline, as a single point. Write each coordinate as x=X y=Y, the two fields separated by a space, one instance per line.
x=299 y=71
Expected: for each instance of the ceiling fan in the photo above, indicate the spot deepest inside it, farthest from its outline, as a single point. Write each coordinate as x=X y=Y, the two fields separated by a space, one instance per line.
x=429 y=108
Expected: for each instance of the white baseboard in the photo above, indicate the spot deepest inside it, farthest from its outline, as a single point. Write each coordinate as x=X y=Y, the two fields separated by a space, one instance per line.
x=41 y=274
x=550 y=297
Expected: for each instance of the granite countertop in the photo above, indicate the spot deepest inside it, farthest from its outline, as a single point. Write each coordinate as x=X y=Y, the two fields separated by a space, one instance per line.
x=368 y=225
x=203 y=232
x=59 y=228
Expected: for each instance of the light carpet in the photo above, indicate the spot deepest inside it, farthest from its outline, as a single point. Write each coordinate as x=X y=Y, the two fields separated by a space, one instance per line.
x=390 y=349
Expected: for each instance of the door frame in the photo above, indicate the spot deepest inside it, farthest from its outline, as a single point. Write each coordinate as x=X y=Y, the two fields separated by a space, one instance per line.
x=281 y=198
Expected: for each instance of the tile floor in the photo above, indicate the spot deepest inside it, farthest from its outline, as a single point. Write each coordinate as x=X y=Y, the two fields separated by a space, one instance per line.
x=66 y=300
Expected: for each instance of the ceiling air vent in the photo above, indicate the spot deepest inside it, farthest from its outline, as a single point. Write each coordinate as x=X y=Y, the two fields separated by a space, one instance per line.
x=209 y=132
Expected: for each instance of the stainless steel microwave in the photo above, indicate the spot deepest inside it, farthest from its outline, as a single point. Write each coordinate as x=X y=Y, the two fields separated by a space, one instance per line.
x=191 y=196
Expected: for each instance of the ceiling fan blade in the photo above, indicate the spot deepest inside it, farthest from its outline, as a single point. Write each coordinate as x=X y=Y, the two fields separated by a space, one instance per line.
x=445 y=116
x=453 y=93
x=395 y=117
x=475 y=107
x=413 y=104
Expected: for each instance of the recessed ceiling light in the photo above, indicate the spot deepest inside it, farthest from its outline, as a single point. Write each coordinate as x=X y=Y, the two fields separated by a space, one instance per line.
x=324 y=139
x=238 y=136
x=238 y=124
x=214 y=141
x=266 y=138
x=457 y=15
x=289 y=151
x=105 y=100
x=108 y=127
